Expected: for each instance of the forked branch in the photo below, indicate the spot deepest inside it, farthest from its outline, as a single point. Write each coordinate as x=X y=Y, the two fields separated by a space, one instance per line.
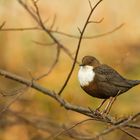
x=79 y=44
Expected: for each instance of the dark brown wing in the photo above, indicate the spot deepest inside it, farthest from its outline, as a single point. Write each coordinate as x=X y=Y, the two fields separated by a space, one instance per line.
x=104 y=73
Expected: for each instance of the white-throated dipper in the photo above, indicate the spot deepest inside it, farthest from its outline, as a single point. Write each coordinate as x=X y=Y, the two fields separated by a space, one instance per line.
x=102 y=81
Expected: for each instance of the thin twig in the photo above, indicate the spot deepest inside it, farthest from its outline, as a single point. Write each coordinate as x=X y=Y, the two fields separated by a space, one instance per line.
x=63 y=33
x=109 y=130
x=135 y=126
x=99 y=21
x=35 y=14
x=130 y=134
x=78 y=46
x=2 y=25
x=18 y=94
x=52 y=67
x=38 y=19
x=68 y=129
x=43 y=44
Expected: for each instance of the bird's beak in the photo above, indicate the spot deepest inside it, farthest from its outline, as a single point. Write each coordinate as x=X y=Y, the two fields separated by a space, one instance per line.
x=81 y=65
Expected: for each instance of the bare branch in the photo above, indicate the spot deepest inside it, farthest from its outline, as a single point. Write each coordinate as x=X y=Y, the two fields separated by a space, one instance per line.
x=65 y=34
x=18 y=93
x=135 y=126
x=128 y=122
x=97 y=21
x=90 y=4
x=20 y=29
x=53 y=22
x=116 y=123
x=52 y=67
x=46 y=91
x=2 y=25
x=38 y=19
x=43 y=44
x=92 y=36
x=78 y=47
x=79 y=30
x=130 y=134
x=12 y=92
x=68 y=129
x=28 y=10
x=114 y=127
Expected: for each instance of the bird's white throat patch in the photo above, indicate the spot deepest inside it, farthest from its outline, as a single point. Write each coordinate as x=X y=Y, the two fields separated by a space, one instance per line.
x=86 y=75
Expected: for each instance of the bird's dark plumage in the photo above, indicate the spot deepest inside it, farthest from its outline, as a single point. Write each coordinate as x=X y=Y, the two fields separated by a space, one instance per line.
x=107 y=82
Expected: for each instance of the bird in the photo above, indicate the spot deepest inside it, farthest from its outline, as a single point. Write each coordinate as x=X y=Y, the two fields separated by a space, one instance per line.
x=102 y=81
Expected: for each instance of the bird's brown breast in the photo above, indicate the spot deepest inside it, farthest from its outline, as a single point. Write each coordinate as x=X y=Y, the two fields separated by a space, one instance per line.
x=94 y=90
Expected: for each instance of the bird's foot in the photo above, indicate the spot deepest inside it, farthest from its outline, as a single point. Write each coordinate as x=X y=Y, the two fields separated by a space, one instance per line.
x=104 y=113
x=95 y=112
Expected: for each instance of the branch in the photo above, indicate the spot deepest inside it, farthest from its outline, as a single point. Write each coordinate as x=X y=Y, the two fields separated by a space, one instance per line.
x=130 y=134
x=85 y=111
x=68 y=129
x=37 y=17
x=64 y=103
x=52 y=67
x=2 y=25
x=17 y=92
x=48 y=92
x=63 y=33
x=78 y=46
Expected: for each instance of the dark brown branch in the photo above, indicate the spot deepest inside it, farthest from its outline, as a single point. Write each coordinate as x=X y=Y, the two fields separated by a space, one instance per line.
x=55 y=61
x=20 y=29
x=52 y=67
x=17 y=93
x=109 y=130
x=38 y=19
x=90 y=4
x=61 y=101
x=78 y=47
x=46 y=91
x=130 y=134
x=116 y=124
x=12 y=92
x=28 y=10
x=53 y=23
x=64 y=103
x=62 y=33
x=2 y=25
x=135 y=126
x=92 y=36
x=43 y=44
x=42 y=123
x=68 y=129
x=35 y=14
x=38 y=122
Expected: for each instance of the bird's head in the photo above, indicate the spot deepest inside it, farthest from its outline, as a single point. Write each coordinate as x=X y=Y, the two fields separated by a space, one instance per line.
x=89 y=61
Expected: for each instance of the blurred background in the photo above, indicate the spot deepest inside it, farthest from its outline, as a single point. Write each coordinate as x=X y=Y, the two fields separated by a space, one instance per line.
x=20 y=55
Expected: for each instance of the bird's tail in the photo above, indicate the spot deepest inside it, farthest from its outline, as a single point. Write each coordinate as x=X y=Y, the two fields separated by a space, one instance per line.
x=134 y=82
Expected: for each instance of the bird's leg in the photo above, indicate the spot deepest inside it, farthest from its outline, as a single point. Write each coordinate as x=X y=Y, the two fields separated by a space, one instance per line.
x=98 y=108
x=109 y=105
x=113 y=100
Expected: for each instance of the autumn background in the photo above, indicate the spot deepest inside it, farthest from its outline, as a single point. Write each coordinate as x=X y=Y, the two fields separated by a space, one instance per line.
x=19 y=54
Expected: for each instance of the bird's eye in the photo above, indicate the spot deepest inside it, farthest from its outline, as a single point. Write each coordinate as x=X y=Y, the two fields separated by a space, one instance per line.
x=81 y=65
